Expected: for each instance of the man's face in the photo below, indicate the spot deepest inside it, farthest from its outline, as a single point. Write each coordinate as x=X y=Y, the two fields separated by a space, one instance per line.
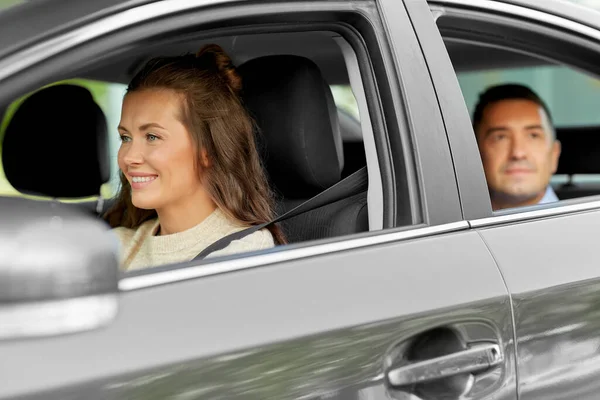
x=518 y=152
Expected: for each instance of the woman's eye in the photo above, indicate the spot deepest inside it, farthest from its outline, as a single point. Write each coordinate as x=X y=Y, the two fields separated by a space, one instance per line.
x=125 y=138
x=152 y=137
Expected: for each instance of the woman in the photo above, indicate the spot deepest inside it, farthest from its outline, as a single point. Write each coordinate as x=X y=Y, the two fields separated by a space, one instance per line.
x=190 y=171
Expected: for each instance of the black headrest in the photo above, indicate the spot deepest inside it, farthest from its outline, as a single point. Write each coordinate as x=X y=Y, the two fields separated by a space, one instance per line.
x=580 y=150
x=56 y=144
x=294 y=109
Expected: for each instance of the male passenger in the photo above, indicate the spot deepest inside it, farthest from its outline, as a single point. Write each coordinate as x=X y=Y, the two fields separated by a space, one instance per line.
x=518 y=146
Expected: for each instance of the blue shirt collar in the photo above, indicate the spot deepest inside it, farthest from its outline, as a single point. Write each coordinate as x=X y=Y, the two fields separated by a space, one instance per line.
x=549 y=196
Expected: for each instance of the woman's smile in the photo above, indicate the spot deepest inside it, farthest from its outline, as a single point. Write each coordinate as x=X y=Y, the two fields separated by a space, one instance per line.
x=141 y=181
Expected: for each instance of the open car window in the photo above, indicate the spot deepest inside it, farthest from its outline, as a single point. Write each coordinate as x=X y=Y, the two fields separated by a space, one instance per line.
x=388 y=200
x=559 y=72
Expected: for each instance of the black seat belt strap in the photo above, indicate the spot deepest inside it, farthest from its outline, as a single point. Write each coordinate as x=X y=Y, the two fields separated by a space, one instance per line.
x=349 y=186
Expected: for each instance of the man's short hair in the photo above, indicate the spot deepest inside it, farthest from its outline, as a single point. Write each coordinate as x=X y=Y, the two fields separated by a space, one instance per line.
x=511 y=91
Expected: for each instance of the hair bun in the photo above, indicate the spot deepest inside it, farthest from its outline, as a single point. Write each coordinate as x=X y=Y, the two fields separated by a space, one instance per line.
x=214 y=58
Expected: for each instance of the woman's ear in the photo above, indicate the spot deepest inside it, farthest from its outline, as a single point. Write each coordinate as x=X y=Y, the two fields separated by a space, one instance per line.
x=204 y=160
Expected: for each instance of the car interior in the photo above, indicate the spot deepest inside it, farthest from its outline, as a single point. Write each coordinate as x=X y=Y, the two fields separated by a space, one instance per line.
x=307 y=143
x=287 y=80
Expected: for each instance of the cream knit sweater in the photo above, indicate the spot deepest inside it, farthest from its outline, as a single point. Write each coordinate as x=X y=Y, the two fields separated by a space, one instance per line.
x=140 y=248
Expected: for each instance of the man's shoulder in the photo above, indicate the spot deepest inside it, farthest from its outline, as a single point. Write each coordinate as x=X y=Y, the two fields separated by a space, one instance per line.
x=549 y=197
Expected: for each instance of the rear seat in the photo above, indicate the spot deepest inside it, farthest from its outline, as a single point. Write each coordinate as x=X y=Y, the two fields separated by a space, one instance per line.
x=56 y=146
x=580 y=156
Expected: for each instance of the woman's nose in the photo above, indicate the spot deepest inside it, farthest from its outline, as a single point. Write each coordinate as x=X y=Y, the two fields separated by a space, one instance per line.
x=132 y=153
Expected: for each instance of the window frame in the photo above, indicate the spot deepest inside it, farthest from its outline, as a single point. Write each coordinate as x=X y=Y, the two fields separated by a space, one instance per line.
x=246 y=11
x=473 y=186
x=380 y=77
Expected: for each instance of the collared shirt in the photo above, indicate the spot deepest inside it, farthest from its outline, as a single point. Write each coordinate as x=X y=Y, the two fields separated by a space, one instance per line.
x=549 y=196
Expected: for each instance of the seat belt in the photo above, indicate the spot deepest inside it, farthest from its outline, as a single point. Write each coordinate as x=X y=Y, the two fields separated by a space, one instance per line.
x=353 y=184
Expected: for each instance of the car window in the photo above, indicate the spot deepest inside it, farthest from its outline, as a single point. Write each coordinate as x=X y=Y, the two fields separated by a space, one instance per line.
x=565 y=168
x=572 y=96
x=348 y=96
x=108 y=96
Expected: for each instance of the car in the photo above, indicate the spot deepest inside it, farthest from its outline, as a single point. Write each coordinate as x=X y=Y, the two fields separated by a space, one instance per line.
x=405 y=285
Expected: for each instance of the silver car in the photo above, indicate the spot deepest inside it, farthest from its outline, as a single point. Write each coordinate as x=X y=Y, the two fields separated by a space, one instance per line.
x=411 y=289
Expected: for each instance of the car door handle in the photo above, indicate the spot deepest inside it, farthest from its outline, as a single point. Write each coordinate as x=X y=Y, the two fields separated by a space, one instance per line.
x=476 y=359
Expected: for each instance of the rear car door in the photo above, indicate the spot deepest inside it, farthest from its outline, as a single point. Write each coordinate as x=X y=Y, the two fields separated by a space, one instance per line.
x=545 y=253
x=415 y=310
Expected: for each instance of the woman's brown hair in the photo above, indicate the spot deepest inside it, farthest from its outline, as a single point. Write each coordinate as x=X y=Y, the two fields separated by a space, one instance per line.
x=220 y=125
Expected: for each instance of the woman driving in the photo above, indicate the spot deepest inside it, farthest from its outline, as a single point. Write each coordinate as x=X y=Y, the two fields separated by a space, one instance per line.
x=190 y=171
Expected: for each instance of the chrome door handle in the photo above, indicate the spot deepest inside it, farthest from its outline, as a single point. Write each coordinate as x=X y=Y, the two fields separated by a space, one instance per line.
x=475 y=359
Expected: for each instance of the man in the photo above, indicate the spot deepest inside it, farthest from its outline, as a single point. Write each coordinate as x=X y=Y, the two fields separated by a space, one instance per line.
x=518 y=146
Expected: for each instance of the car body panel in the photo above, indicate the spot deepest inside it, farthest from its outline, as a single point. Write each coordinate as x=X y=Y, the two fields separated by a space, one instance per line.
x=39 y=20
x=564 y=9
x=550 y=8
x=544 y=254
x=553 y=278
x=323 y=324
x=293 y=330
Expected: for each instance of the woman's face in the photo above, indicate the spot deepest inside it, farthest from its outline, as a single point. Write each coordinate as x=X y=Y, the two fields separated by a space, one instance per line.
x=157 y=155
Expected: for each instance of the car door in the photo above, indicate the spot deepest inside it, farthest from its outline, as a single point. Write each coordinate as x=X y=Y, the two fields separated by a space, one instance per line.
x=545 y=253
x=413 y=311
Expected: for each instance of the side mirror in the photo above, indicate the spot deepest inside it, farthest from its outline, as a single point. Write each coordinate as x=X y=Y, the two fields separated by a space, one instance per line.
x=59 y=270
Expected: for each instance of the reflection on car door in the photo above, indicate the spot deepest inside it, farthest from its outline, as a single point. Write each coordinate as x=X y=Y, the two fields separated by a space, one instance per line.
x=548 y=261
x=552 y=272
x=318 y=327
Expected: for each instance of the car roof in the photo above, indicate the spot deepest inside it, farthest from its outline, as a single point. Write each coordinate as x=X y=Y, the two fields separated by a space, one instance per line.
x=42 y=18
x=468 y=56
x=28 y=22
x=567 y=9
